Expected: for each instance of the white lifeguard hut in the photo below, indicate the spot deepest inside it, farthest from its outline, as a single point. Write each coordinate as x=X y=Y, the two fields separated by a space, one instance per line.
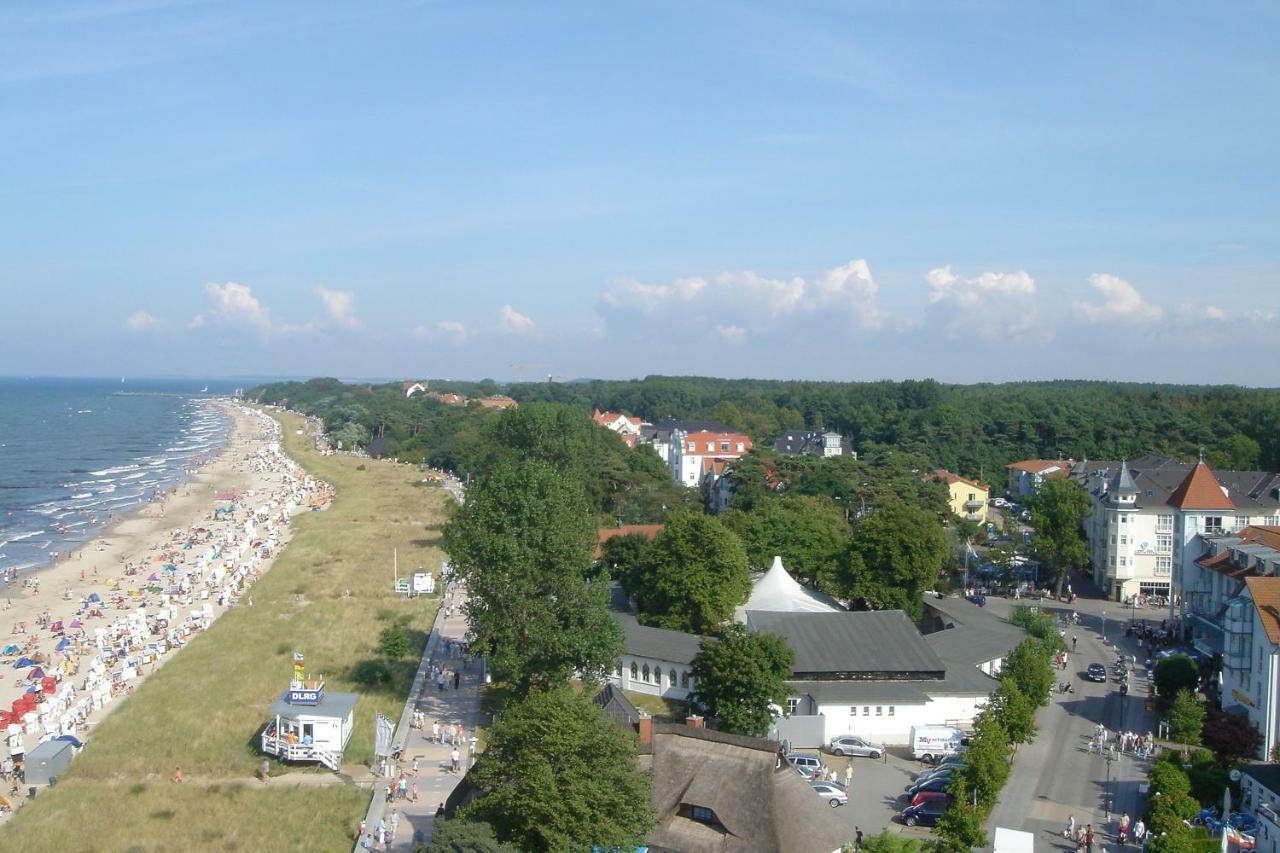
x=310 y=724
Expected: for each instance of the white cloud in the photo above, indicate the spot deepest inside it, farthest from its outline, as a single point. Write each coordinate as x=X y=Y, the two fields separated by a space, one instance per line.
x=743 y=301
x=339 y=307
x=992 y=305
x=512 y=322
x=233 y=305
x=446 y=331
x=732 y=334
x=1121 y=302
x=1213 y=312
x=141 y=321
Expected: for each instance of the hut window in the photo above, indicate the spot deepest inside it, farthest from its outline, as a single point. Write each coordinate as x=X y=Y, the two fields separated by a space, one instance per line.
x=673 y=677
x=635 y=671
x=879 y=708
x=866 y=710
x=890 y=710
x=684 y=679
x=646 y=672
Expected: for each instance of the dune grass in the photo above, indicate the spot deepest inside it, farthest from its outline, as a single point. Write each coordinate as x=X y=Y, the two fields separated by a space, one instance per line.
x=328 y=595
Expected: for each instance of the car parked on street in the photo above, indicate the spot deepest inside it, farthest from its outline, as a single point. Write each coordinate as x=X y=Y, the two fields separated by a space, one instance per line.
x=806 y=765
x=831 y=792
x=925 y=814
x=854 y=745
x=925 y=796
x=939 y=783
x=1096 y=672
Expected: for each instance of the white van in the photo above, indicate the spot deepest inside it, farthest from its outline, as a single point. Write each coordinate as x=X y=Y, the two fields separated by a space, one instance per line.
x=932 y=742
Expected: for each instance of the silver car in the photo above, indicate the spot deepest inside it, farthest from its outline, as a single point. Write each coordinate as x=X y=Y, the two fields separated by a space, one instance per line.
x=831 y=792
x=806 y=765
x=854 y=745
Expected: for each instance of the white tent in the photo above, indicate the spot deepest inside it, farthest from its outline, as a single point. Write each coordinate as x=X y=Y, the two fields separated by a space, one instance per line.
x=777 y=592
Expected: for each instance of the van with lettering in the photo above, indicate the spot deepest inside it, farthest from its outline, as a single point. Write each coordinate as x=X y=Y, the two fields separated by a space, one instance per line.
x=929 y=743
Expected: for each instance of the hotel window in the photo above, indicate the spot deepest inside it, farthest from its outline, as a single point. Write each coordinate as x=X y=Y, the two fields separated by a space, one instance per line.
x=711 y=446
x=724 y=447
x=1213 y=522
x=793 y=704
x=1124 y=540
x=1164 y=565
x=1124 y=561
x=879 y=709
x=1242 y=521
x=1113 y=539
x=635 y=672
x=1164 y=523
x=1113 y=560
x=890 y=710
x=1124 y=519
x=740 y=446
x=866 y=710
x=1164 y=543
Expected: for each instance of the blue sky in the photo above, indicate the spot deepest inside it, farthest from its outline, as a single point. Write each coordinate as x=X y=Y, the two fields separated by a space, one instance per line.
x=970 y=191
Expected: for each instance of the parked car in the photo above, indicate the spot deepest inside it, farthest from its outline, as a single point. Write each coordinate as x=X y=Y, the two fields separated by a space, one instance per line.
x=854 y=745
x=806 y=765
x=936 y=783
x=951 y=763
x=978 y=599
x=926 y=796
x=925 y=814
x=831 y=792
x=1096 y=672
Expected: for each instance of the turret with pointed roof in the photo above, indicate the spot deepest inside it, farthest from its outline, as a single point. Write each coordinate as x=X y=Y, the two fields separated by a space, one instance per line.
x=1200 y=490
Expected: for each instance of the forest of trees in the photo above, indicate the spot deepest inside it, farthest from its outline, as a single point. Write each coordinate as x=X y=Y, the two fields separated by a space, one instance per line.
x=974 y=430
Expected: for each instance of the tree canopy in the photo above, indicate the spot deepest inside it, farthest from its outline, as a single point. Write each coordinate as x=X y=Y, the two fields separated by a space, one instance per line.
x=523 y=543
x=1058 y=511
x=739 y=679
x=808 y=533
x=559 y=775
x=893 y=557
x=1175 y=674
x=694 y=575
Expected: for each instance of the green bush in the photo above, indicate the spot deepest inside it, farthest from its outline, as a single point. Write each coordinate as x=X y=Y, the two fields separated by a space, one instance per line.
x=394 y=642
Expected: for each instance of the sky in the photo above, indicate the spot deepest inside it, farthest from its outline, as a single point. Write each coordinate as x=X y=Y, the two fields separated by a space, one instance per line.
x=970 y=191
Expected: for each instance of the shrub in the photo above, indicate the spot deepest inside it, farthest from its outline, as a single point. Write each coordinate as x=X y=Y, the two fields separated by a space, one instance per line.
x=394 y=642
x=371 y=673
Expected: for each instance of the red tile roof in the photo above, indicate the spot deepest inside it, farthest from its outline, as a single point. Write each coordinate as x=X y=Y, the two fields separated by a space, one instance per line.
x=1265 y=593
x=1200 y=490
x=949 y=478
x=604 y=534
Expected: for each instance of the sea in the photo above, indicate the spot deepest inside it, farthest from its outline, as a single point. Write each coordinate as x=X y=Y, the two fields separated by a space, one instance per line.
x=77 y=453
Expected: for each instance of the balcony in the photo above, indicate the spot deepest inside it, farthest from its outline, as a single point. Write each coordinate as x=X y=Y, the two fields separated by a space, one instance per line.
x=974 y=505
x=973 y=516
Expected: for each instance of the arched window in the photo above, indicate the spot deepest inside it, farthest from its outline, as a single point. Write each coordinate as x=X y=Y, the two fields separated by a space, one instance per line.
x=635 y=671
x=646 y=672
x=673 y=677
x=684 y=679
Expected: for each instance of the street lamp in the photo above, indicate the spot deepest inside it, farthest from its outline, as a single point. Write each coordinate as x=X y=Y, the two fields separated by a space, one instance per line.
x=1110 y=758
x=1104 y=627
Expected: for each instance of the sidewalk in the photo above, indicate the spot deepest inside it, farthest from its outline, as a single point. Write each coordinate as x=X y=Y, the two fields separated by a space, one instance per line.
x=434 y=777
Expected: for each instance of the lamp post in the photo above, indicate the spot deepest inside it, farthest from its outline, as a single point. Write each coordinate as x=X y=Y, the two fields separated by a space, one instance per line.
x=1110 y=758
x=1104 y=627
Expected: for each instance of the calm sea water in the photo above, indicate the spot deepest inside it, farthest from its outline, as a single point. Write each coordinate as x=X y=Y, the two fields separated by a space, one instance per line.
x=74 y=453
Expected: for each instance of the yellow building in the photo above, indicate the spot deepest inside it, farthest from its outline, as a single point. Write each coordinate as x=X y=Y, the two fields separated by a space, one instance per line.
x=968 y=498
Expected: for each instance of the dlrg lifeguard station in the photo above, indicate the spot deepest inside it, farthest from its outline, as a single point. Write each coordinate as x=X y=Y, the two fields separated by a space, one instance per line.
x=310 y=724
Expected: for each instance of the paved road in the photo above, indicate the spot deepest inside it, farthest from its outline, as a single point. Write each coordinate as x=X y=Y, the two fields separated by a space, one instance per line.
x=1057 y=776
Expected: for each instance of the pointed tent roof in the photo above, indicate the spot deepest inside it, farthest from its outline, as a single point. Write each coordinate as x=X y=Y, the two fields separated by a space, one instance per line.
x=777 y=592
x=1122 y=483
x=1200 y=490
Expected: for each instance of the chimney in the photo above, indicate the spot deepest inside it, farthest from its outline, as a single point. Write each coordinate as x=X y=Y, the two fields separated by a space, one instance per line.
x=645 y=728
x=695 y=722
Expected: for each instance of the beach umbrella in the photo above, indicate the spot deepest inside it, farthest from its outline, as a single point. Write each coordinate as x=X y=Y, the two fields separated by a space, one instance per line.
x=63 y=644
x=23 y=662
x=56 y=626
x=153 y=577
x=10 y=649
x=76 y=623
x=31 y=691
x=94 y=598
x=35 y=673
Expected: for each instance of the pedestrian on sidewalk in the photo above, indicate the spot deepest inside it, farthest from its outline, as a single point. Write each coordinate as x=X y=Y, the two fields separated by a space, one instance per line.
x=415 y=765
x=413 y=791
x=440 y=681
x=1139 y=832
x=848 y=777
x=457 y=678
x=459 y=736
x=395 y=823
x=435 y=731
x=455 y=758
x=1124 y=828
x=1088 y=838
x=1070 y=831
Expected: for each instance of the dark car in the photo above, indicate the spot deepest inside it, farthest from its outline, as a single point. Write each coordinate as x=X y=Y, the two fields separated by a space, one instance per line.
x=938 y=783
x=978 y=599
x=925 y=814
x=929 y=796
x=1096 y=672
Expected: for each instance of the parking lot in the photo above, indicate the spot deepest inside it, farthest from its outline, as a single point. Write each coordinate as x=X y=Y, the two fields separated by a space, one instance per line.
x=877 y=786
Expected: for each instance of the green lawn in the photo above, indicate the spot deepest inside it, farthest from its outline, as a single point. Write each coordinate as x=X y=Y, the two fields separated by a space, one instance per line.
x=328 y=595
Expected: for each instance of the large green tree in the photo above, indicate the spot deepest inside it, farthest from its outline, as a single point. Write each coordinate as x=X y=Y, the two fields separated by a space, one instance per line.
x=1029 y=667
x=740 y=678
x=894 y=556
x=694 y=575
x=809 y=533
x=464 y=836
x=523 y=543
x=1175 y=674
x=1058 y=512
x=559 y=775
x=1186 y=718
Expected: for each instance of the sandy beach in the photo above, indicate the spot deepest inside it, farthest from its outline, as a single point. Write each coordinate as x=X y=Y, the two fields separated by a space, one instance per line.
x=102 y=619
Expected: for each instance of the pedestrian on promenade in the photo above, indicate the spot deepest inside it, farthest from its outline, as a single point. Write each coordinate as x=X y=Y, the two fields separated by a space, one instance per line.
x=1070 y=831
x=455 y=758
x=415 y=765
x=1124 y=828
x=857 y=838
x=413 y=791
x=395 y=822
x=457 y=678
x=1139 y=832
x=1088 y=838
x=458 y=734
x=435 y=731
x=848 y=777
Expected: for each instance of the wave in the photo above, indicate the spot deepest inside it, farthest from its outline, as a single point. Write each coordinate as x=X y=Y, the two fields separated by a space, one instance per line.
x=134 y=476
x=119 y=470
x=82 y=496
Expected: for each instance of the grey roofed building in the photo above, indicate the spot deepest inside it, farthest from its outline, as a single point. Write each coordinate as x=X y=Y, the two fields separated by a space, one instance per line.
x=670 y=425
x=1155 y=478
x=657 y=643
x=335 y=705
x=720 y=793
x=803 y=442
x=615 y=704
x=870 y=645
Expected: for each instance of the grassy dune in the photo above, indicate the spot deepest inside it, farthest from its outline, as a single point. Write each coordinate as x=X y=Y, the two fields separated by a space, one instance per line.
x=328 y=595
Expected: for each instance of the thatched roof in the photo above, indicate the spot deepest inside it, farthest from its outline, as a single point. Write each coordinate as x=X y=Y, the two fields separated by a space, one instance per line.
x=760 y=803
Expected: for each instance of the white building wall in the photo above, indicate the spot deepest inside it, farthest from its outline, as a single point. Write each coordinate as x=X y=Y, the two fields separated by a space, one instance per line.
x=890 y=724
x=660 y=682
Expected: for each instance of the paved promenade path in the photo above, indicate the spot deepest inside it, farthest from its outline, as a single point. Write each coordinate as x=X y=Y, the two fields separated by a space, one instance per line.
x=434 y=775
